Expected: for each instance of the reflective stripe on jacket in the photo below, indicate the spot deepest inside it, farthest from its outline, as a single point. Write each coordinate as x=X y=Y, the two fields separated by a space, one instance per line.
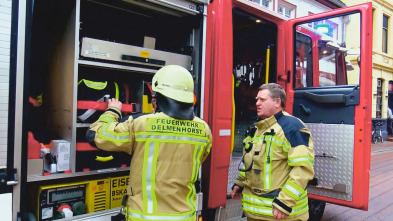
x=281 y=162
x=166 y=157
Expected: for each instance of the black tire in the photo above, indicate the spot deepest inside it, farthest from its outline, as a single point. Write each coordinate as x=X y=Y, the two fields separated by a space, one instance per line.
x=315 y=209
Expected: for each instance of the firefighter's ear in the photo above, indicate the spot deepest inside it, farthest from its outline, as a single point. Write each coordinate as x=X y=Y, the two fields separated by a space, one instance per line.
x=277 y=102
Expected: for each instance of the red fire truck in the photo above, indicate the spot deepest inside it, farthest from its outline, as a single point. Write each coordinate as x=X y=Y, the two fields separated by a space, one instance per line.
x=55 y=50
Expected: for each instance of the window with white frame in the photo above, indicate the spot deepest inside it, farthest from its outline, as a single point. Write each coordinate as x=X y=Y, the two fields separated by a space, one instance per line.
x=265 y=3
x=286 y=9
x=385 y=22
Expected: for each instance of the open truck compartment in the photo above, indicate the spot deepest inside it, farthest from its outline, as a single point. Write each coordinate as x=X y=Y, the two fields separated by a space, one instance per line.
x=254 y=60
x=84 y=52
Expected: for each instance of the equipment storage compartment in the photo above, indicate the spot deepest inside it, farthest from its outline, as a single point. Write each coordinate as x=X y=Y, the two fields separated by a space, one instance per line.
x=95 y=86
x=117 y=44
x=122 y=44
x=132 y=33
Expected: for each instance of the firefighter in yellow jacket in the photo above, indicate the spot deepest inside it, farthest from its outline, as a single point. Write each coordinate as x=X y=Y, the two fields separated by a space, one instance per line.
x=167 y=148
x=278 y=162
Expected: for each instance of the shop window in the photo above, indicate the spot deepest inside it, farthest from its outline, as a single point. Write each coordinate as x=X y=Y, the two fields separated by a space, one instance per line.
x=385 y=33
x=378 y=98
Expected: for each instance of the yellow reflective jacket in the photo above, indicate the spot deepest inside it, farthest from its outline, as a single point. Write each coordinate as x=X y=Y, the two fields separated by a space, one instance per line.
x=166 y=156
x=277 y=168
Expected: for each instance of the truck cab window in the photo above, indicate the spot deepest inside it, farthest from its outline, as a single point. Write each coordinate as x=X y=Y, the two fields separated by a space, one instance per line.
x=304 y=70
x=327 y=51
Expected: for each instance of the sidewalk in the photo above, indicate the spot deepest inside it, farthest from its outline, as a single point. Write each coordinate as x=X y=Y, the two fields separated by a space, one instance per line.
x=381 y=190
x=378 y=147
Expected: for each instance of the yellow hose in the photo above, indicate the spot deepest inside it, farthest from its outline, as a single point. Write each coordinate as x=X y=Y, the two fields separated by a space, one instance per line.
x=267 y=64
x=233 y=114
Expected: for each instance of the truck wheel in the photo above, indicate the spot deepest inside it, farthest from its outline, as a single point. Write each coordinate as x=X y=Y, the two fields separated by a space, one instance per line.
x=315 y=209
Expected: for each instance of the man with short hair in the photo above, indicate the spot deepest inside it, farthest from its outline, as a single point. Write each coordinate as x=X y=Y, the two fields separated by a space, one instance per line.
x=277 y=164
x=167 y=148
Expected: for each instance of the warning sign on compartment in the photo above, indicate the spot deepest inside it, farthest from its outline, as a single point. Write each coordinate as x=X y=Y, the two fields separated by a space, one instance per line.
x=118 y=190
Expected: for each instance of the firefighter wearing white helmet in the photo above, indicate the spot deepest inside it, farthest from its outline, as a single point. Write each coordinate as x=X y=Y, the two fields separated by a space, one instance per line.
x=175 y=82
x=166 y=147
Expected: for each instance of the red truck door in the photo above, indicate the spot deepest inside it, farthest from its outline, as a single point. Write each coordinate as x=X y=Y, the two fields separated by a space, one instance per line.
x=329 y=69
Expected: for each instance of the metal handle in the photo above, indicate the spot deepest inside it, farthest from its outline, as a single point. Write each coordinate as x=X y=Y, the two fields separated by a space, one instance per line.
x=338 y=187
x=4 y=178
x=306 y=111
x=12 y=183
x=326 y=98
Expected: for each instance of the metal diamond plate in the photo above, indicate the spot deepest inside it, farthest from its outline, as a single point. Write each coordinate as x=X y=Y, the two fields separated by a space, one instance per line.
x=333 y=146
x=231 y=212
x=240 y=129
x=233 y=172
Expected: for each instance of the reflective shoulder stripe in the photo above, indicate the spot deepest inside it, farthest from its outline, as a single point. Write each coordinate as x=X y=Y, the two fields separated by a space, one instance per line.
x=257 y=138
x=116 y=137
x=293 y=190
x=138 y=216
x=277 y=141
x=294 y=161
